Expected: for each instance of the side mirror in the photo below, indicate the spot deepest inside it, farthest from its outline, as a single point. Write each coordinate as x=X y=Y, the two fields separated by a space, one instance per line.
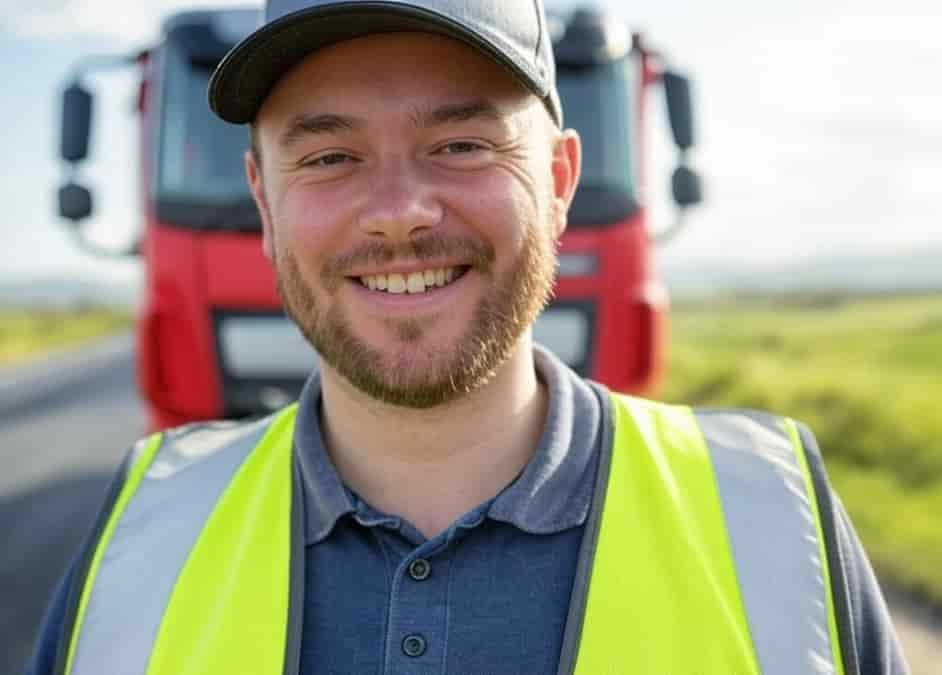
x=679 y=108
x=75 y=202
x=686 y=186
x=76 y=123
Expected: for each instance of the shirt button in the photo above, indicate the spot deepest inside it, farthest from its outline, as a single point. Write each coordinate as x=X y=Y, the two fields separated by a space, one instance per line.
x=420 y=569
x=414 y=645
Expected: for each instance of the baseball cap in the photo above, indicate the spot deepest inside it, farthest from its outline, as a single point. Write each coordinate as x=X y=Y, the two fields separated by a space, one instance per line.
x=514 y=33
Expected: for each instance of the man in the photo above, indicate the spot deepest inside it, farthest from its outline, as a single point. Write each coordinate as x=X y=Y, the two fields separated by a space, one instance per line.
x=447 y=497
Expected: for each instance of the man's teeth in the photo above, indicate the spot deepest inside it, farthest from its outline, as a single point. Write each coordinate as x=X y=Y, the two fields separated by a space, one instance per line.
x=416 y=282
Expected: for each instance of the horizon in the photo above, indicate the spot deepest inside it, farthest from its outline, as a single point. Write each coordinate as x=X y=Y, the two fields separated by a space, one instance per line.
x=855 y=274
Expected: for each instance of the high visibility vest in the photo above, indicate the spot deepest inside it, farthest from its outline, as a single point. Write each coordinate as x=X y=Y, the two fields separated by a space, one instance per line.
x=704 y=553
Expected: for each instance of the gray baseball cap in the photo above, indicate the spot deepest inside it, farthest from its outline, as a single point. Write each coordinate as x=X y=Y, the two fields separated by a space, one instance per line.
x=514 y=33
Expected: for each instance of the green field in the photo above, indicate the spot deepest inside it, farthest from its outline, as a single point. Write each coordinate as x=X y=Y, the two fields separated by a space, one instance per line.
x=30 y=333
x=866 y=375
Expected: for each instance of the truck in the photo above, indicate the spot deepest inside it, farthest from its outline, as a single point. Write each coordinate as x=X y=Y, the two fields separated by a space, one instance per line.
x=212 y=338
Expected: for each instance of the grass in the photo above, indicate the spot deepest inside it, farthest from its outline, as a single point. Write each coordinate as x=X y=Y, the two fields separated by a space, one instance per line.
x=27 y=334
x=866 y=375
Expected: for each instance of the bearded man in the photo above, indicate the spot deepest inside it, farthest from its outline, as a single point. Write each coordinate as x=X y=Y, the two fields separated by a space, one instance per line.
x=446 y=496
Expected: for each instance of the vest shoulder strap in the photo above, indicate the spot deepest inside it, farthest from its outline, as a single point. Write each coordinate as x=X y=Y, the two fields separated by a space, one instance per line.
x=709 y=531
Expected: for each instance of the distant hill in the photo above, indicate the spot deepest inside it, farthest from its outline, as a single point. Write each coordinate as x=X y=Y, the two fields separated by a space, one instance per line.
x=67 y=293
x=905 y=271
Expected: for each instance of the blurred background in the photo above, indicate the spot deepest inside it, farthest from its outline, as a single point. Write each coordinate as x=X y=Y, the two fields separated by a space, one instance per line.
x=809 y=282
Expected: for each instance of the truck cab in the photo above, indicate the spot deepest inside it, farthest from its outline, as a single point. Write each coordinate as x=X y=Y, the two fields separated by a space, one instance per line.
x=212 y=338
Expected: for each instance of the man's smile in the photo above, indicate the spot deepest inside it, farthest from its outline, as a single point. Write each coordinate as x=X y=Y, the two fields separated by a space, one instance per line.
x=404 y=293
x=413 y=282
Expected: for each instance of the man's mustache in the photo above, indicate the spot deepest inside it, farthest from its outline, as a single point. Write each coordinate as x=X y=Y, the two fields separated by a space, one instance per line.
x=429 y=247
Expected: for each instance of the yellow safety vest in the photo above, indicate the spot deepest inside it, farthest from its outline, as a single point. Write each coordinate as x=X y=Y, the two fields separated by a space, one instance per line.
x=703 y=554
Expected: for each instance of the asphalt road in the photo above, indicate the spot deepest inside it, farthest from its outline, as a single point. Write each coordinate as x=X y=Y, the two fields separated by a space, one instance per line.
x=66 y=424
x=64 y=427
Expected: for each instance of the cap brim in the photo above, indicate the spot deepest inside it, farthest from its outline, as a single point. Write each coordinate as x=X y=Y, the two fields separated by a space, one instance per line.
x=246 y=75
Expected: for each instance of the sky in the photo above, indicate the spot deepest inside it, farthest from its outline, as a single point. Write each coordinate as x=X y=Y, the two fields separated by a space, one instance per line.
x=819 y=127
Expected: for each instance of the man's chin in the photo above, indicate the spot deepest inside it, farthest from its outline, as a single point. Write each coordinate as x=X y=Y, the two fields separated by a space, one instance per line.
x=410 y=378
x=412 y=392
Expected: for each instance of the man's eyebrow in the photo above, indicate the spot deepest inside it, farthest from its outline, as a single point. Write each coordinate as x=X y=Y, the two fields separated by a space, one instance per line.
x=461 y=112
x=330 y=123
x=327 y=123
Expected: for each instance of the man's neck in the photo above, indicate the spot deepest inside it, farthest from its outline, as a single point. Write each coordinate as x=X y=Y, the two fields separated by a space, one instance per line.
x=432 y=466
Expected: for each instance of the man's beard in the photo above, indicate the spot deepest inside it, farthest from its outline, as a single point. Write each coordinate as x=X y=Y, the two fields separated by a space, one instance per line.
x=440 y=376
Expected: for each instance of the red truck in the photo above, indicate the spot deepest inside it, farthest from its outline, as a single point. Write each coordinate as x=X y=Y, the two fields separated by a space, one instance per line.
x=212 y=338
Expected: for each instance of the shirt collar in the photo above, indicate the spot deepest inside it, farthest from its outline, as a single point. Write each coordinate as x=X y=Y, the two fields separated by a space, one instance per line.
x=326 y=500
x=554 y=491
x=550 y=495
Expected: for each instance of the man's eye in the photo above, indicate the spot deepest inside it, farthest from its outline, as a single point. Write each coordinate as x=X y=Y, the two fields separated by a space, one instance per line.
x=332 y=159
x=460 y=148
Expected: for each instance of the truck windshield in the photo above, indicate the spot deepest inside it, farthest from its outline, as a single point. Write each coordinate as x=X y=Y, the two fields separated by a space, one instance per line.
x=599 y=102
x=201 y=175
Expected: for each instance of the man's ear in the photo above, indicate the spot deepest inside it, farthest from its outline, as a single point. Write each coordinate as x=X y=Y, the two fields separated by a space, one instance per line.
x=253 y=172
x=566 y=168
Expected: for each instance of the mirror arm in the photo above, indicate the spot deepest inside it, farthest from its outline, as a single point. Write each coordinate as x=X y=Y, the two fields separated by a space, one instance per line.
x=83 y=243
x=98 y=62
x=86 y=65
x=668 y=233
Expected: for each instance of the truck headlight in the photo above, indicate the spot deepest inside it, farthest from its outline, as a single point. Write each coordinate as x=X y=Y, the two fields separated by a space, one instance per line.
x=565 y=328
x=264 y=346
x=578 y=264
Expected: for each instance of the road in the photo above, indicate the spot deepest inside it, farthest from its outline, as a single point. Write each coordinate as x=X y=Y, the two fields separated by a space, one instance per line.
x=66 y=424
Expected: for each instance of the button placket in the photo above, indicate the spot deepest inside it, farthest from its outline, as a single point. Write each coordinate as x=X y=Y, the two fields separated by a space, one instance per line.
x=418 y=611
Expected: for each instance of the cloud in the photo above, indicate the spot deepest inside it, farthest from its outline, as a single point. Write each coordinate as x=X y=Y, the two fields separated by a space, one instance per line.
x=820 y=129
x=137 y=23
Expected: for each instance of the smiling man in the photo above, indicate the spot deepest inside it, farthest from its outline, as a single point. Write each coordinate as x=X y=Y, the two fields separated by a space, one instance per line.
x=447 y=497
x=370 y=181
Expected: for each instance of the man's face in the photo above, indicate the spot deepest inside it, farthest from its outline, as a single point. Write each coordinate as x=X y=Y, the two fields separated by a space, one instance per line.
x=412 y=194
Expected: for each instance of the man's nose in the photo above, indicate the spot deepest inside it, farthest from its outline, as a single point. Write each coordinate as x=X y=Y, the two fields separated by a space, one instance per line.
x=400 y=203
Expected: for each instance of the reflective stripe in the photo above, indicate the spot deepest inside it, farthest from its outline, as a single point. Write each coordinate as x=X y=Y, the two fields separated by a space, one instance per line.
x=229 y=609
x=772 y=525
x=136 y=464
x=150 y=544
